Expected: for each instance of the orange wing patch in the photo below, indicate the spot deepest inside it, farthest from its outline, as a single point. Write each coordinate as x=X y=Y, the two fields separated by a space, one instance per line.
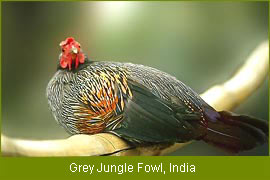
x=99 y=106
x=90 y=122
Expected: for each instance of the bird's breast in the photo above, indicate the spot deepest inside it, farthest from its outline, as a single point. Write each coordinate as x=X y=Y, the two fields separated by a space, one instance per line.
x=90 y=100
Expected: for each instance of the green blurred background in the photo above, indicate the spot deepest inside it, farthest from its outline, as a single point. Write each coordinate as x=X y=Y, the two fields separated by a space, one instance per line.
x=200 y=43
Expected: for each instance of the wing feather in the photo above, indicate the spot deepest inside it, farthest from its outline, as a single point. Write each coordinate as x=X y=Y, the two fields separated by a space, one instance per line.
x=149 y=119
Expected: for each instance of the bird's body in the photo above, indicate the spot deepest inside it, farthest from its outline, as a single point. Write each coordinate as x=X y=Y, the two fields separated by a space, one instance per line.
x=143 y=106
x=96 y=97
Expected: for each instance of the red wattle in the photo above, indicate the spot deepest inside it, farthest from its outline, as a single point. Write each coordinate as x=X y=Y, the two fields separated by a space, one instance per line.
x=63 y=63
x=81 y=58
x=69 y=64
x=77 y=61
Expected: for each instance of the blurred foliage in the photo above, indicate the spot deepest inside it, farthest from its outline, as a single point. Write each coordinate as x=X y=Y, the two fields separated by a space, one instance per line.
x=201 y=43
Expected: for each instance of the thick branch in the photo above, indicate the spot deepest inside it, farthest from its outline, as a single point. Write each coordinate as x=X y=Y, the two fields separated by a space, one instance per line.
x=245 y=81
x=222 y=97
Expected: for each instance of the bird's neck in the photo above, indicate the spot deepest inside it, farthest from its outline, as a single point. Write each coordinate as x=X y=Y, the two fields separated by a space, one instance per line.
x=73 y=68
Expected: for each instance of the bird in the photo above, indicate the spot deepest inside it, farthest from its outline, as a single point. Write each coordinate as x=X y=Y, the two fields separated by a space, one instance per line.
x=142 y=105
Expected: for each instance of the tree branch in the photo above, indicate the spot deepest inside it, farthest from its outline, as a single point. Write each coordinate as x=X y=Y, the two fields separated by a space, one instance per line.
x=222 y=97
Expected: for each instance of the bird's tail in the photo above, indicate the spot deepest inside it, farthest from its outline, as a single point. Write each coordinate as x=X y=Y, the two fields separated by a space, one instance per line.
x=236 y=133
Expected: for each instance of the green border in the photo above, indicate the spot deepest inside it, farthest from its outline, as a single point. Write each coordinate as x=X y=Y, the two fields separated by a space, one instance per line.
x=224 y=167
x=206 y=167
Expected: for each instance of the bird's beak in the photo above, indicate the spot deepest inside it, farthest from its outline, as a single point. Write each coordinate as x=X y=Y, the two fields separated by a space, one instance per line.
x=74 y=50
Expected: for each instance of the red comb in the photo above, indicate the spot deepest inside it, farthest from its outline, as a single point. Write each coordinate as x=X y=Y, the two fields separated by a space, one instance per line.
x=67 y=41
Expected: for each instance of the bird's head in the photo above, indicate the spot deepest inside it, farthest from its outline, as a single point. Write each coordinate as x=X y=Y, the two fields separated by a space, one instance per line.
x=71 y=55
